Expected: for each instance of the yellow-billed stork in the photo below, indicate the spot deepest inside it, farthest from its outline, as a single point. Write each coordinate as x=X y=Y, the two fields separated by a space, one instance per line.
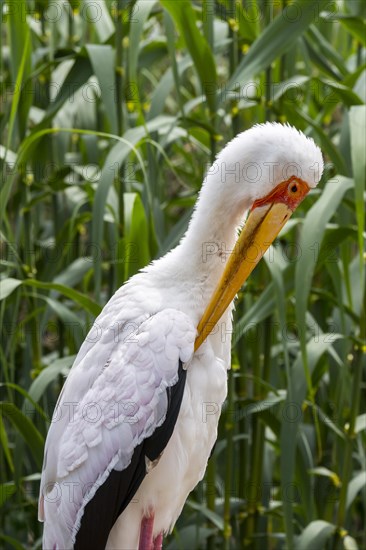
x=135 y=424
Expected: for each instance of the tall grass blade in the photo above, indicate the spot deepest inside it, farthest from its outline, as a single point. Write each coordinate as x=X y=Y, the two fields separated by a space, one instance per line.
x=357 y=117
x=310 y=242
x=26 y=428
x=315 y=535
x=185 y=19
x=102 y=60
x=275 y=40
x=110 y=112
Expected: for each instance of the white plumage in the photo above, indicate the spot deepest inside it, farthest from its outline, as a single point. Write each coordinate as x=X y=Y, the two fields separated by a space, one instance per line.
x=116 y=393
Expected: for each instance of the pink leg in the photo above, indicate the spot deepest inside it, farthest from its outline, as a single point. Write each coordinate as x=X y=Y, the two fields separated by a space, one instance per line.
x=158 y=542
x=146 y=533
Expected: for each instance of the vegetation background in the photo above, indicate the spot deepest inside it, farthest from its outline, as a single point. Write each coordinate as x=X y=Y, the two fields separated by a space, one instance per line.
x=110 y=113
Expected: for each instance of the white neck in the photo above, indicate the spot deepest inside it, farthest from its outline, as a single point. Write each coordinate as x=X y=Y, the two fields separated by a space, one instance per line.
x=214 y=224
x=203 y=251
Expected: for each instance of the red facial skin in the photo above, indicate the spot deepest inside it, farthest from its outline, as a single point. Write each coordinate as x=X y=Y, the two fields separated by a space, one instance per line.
x=291 y=192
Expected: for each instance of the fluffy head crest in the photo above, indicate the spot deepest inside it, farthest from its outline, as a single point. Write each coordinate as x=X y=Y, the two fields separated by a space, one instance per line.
x=264 y=156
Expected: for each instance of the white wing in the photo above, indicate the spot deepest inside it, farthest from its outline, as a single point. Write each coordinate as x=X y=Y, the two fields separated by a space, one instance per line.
x=124 y=402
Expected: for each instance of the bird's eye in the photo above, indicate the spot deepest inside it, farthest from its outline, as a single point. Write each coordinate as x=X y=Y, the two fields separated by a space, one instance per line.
x=293 y=188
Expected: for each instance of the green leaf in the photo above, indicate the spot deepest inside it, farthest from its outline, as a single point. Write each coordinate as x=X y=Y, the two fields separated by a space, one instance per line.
x=102 y=59
x=115 y=159
x=325 y=418
x=74 y=273
x=275 y=40
x=70 y=320
x=98 y=14
x=320 y=60
x=185 y=19
x=328 y=53
x=287 y=443
x=79 y=298
x=257 y=407
x=137 y=237
x=356 y=25
x=326 y=143
x=315 y=347
x=13 y=542
x=263 y=306
x=209 y=514
x=6 y=187
x=321 y=471
x=295 y=81
x=349 y=543
x=7 y=490
x=248 y=20
x=143 y=9
x=26 y=428
x=26 y=396
x=20 y=66
x=5 y=447
x=334 y=235
x=357 y=117
x=191 y=536
x=315 y=535
x=346 y=94
x=165 y=86
x=79 y=73
x=311 y=237
x=48 y=375
x=7 y=286
x=354 y=487
x=360 y=423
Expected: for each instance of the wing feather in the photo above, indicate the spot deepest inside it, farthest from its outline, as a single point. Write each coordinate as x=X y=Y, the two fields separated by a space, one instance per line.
x=112 y=422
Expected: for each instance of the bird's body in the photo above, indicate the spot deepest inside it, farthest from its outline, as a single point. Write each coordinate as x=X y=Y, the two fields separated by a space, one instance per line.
x=137 y=419
x=184 y=460
x=165 y=285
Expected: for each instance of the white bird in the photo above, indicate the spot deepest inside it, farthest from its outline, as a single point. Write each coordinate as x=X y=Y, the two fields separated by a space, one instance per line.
x=137 y=418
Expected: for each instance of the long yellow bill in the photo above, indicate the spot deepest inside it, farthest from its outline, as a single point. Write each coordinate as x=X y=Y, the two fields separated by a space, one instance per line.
x=262 y=226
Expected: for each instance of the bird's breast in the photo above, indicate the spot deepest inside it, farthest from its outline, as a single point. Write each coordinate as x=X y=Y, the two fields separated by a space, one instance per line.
x=183 y=462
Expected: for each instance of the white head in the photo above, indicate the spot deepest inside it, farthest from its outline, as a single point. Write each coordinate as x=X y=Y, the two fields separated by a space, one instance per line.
x=256 y=161
x=268 y=170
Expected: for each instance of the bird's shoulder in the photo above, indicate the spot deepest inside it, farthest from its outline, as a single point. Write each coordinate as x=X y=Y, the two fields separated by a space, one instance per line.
x=128 y=386
x=123 y=402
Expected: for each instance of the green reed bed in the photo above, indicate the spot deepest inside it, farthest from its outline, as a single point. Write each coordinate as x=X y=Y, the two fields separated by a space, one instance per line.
x=110 y=113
